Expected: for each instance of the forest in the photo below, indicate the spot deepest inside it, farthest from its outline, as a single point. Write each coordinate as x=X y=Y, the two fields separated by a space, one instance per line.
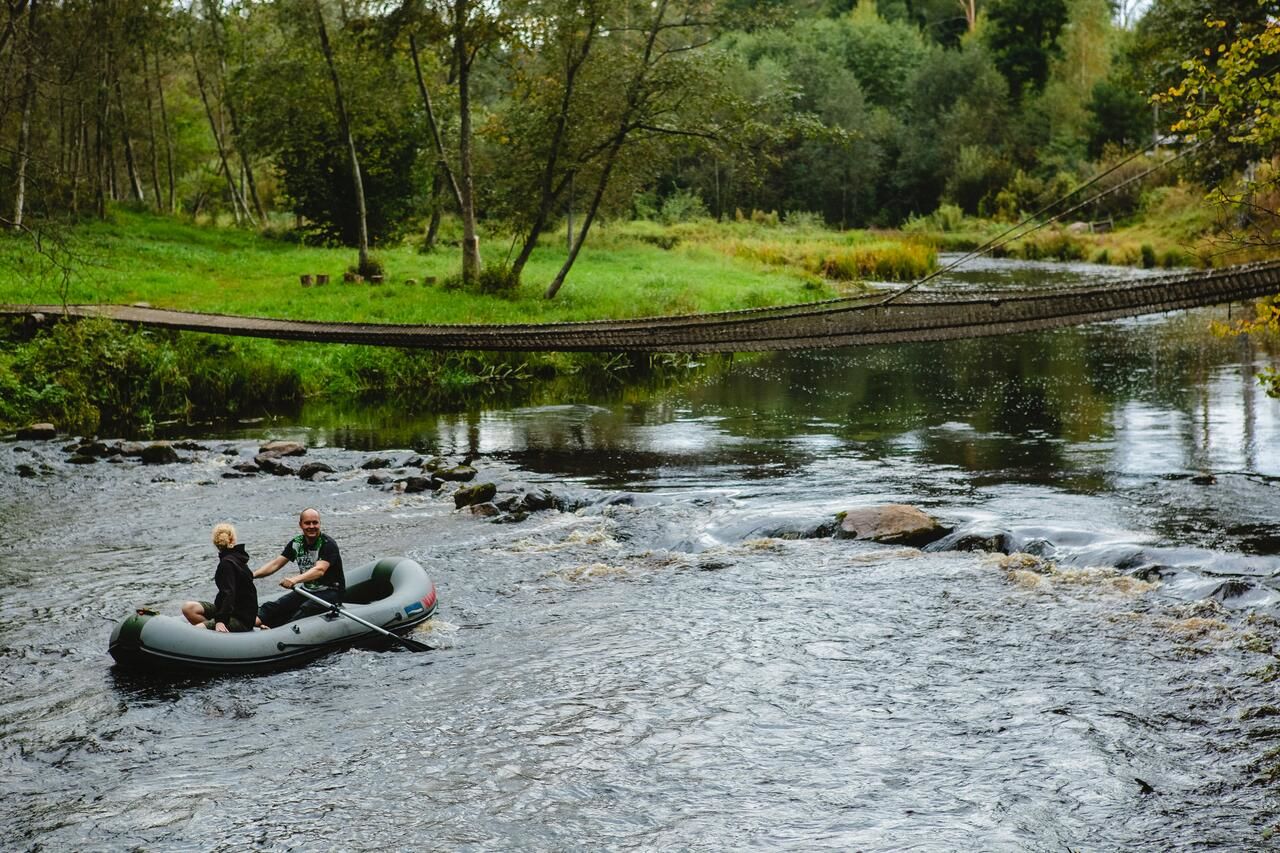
x=361 y=123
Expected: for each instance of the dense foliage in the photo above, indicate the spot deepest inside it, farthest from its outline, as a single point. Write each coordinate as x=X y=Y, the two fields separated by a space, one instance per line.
x=369 y=119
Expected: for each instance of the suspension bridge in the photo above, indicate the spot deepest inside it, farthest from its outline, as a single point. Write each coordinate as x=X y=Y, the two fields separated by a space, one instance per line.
x=902 y=316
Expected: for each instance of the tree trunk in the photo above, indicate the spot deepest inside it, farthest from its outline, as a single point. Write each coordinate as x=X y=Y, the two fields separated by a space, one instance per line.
x=79 y=156
x=634 y=98
x=442 y=161
x=237 y=203
x=219 y=29
x=153 y=149
x=547 y=191
x=101 y=149
x=589 y=217
x=470 y=239
x=130 y=162
x=437 y=210
x=16 y=8
x=345 y=126
x=250 y=183
x=24 y=123
x=168 y=139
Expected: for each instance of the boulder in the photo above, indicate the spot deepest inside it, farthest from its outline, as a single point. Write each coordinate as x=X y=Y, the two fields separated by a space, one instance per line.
x=38 y=432
x=536 y=499
x=26 y=471
x=478 y=494
x=375 y=463
x=377 y=479
x=510 y=517
x=309 y=470
x=160 y=453
x=97 y=449
x=271 y=463
x=458 y=473
x=896 y=524
x=246 y=467
x=131 y=448
x=82 y=459
x=421 y=484
x=283 y=448
x=485 y=510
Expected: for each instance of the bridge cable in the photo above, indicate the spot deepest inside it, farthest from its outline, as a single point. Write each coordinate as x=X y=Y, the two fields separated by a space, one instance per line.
x=1010 y=234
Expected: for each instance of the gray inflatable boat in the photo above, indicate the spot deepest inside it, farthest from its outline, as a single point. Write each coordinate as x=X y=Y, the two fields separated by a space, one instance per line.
x=393 y=594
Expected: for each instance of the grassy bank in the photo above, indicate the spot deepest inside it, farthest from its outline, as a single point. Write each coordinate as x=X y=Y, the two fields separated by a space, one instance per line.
x=1176 y=228
x=93 y=376
x=97 y=376
x=627 y=271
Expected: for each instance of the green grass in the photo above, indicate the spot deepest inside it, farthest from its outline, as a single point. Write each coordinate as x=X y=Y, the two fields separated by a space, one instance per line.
x=623 y=271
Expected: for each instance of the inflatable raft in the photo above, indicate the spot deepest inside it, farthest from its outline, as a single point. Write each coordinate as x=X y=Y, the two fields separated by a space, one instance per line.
x=393 y=593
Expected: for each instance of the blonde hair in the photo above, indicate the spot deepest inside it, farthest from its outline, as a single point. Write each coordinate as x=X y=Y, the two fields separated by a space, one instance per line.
x=224 y=536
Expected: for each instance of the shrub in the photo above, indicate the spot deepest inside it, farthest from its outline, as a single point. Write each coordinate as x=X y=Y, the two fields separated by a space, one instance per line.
x=682 y=206
x=1148 y=256
x=881 y=262
x=93 y=372
x=1051 y=245
x=497 y=279
x=804 y=220
x=371 y=266
x=947 y=218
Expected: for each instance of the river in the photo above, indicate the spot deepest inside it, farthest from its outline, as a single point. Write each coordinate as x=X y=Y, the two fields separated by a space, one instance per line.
x=684 y=659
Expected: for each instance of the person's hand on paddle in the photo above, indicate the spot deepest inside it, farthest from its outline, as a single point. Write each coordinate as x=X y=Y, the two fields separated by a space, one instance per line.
x=221 y=628
x=288 y=582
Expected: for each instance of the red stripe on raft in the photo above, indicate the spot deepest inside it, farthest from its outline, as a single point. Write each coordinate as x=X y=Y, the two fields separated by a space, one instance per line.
x=429 y=600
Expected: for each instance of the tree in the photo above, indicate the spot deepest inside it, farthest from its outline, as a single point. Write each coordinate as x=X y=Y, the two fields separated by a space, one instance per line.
x=1171 y=31
x=1118 y=116
x=1229 y=97
x=344 y=127
x=291 y=115
x=1023 y=38
x=656 y=86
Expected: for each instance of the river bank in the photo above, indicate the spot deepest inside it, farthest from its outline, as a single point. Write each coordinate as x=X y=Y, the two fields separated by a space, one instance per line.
x=89 y=376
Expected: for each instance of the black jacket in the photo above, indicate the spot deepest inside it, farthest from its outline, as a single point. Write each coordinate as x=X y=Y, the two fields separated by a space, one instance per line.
x=237 y=595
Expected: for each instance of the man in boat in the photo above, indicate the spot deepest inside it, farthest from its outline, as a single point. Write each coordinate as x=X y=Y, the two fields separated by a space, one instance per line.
x=319 y=572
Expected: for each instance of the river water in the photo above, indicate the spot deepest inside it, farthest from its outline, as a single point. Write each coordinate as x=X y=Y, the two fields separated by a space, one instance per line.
x=683 y=658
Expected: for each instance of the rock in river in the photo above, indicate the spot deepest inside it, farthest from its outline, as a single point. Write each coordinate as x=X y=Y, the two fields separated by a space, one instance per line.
x=280 y=447
x=37 y=432
x=896 y=524
x=477 y=494
x=160 y=453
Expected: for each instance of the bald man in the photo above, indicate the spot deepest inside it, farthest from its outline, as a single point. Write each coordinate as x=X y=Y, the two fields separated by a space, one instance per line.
x=319 y=572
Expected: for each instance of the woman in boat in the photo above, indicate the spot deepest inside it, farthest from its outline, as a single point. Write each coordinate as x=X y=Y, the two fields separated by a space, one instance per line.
x=236 y=606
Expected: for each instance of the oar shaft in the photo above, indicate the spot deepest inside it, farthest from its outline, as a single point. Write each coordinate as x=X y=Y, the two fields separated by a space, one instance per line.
x=329 y=605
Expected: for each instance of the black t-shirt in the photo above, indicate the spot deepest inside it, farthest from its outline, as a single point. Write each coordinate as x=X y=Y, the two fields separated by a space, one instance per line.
x=295 y=551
